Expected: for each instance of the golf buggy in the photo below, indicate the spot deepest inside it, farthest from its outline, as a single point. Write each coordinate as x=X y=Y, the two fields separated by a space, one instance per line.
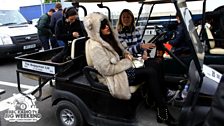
x=80 y=99
x=176 y=69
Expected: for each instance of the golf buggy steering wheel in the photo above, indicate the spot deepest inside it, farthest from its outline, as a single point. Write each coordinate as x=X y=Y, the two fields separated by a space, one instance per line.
x=159 y=34
x=158 y=29
x=163 y=37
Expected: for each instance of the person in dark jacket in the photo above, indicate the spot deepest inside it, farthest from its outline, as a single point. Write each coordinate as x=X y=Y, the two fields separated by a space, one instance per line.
x=54 y=18
x=218 y=26
x=181 y=44
x=181 y=41
x=44 y=30
x=67 y=29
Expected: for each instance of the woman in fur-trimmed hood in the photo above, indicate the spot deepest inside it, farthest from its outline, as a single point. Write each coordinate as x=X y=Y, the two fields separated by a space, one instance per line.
x=103 y=52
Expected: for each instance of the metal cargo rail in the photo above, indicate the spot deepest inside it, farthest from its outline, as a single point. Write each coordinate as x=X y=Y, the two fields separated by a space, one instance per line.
x=38 y=66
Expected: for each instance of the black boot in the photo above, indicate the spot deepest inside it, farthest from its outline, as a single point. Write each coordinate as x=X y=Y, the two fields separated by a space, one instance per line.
x=163 y=116
x=149 y=103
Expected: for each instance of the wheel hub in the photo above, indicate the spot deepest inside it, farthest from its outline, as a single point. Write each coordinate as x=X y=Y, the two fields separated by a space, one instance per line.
x=67 y=117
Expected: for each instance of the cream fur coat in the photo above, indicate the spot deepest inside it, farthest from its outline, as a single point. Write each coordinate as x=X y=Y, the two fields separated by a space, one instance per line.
x=104 y=58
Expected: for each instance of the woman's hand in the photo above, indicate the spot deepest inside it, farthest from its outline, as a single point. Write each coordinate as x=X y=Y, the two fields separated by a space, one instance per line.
x=159 y=53
x=148 y=45
x=145 y=55
x=75 y=34
x=128 y=56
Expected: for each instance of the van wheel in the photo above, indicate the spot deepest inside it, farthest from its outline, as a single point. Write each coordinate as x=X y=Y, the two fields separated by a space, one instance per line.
x=68 y=114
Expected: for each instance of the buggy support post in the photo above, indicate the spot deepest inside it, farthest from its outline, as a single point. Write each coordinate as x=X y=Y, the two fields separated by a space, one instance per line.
x=46 y=79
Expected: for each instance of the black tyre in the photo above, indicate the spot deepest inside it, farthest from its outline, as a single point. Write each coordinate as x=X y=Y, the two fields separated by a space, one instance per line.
x=68 y=114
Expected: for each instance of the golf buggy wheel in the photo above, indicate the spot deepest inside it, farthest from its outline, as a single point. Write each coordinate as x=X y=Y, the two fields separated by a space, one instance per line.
x=68 y=114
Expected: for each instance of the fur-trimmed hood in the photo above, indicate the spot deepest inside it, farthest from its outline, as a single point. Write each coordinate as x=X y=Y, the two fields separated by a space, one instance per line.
x=92 y=23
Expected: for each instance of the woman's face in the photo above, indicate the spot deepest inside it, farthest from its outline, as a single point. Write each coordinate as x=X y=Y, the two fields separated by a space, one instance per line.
x=126 y=19
x=72 y=19
x=105 y=29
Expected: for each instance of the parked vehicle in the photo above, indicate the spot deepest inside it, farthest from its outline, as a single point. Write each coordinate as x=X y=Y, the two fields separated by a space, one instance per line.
x=34 y=21
x=16 y=35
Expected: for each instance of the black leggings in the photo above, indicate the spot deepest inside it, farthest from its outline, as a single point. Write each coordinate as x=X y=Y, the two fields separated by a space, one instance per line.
x=152 y=75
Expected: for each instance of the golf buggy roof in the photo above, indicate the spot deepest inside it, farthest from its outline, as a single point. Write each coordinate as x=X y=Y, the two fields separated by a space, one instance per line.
x=145 y=1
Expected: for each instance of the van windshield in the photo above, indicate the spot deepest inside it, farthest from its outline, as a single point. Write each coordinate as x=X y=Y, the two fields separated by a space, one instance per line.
x=10 y=17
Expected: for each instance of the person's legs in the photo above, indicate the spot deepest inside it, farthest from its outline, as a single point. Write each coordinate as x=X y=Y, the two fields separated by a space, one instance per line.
x=60 y=43
x=150 y=76
x=155 y=89
x=45 y=42
x=54 y=42
x=59 y=58
x=157 y=65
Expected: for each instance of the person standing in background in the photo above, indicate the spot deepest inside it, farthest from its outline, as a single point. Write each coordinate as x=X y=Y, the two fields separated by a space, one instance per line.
x=54 y=18
x=44 y=29
x=180 y=43
x=67 y=29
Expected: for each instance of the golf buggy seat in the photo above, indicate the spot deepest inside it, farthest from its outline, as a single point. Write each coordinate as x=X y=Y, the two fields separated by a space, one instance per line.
x=213 y=50
x=88 y=69
x=77 y=61
x=214 y=56
x=89 y=73
x=211 y=41
x=78 y=47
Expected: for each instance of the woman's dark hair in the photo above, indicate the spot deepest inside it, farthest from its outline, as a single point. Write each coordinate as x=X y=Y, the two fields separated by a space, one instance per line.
x=52 y=10
x=71 y=11
x=104 y=23
x=110 y=38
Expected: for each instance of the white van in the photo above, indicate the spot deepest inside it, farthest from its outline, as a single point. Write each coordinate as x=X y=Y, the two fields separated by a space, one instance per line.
x=17 y=36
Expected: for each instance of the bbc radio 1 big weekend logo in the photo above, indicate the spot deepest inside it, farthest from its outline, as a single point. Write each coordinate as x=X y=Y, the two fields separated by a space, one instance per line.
x=22 y=109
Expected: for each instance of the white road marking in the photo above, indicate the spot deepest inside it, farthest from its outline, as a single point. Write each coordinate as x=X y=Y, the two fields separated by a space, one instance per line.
x=15 y=85
x=5 y=103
